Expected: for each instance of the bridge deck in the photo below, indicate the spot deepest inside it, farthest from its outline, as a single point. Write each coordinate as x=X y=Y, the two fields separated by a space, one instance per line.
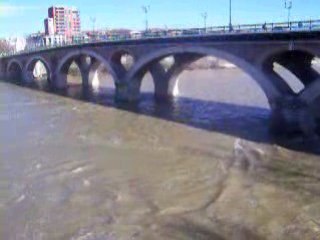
x=227 y=37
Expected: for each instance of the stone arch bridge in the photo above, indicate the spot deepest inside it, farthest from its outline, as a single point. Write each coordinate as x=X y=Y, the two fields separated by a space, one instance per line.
x=255 y=54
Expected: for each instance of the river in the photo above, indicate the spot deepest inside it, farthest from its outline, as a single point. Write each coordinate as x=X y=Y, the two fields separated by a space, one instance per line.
x=200 y=167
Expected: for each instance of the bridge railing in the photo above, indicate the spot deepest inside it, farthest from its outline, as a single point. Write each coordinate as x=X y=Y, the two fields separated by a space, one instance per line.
x=294 y=26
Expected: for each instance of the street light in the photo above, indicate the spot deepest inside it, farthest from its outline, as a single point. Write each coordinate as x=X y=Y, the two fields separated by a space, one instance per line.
x=146 y=10
x=230 y=16
x=288 y=5
x=205 y=17
x=93 y=20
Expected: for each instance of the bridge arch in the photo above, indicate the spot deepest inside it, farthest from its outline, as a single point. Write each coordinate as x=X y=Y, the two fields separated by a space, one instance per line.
x=297 y=61
x=117 y=54
x=29 y=68
x=66 y=61
x=122 y=61
x=134 y=75
x=14 y=61
x=14 y=70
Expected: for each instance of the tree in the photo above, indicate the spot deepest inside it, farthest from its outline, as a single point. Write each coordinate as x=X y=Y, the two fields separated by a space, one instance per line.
x=5 y=47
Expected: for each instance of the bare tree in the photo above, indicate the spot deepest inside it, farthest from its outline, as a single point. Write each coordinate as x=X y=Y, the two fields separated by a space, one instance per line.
x=5 y=47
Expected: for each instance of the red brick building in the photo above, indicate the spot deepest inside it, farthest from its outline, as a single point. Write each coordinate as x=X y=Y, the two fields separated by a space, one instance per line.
x=63 y=21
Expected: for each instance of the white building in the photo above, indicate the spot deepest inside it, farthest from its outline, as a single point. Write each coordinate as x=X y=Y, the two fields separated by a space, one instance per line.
x=18 y=43
x=52 y=40
x=136 y=34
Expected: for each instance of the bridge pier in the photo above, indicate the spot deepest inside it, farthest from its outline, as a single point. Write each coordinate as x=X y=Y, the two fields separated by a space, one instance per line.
x=163 y=90
x=291 y=115
x=294 y=112
x=3 y=74
x=122 y=94
x=85 y=64
x=59 y=80
x=27 y=77
x=311 y=96
x=164 y=77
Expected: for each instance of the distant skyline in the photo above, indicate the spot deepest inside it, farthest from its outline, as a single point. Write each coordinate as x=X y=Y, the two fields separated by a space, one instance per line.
x=18 y=18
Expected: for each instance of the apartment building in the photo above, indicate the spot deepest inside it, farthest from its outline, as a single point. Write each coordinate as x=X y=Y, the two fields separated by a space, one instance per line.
x=64 y=21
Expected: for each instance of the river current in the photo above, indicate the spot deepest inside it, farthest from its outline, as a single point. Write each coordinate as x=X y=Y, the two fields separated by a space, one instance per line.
x=202 y=166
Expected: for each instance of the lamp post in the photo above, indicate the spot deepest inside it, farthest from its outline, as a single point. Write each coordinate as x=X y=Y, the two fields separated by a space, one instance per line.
x=288 y=5
x=205 y=17
x=230 y=16
x=93 y=20
x=146 y=10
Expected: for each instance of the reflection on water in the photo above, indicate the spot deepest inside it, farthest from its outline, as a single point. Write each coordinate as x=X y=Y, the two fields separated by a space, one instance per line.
x=194 y=104
x=176 y=92
x=95 y=82
x=209 y=115
x=199 y=167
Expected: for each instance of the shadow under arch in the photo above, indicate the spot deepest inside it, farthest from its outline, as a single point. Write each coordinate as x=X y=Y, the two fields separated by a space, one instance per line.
x=272 y=92
x=14 y=71
x=13 y=61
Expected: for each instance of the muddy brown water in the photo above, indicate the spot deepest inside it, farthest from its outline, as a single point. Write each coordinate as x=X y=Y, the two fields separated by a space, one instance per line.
x=201 y=167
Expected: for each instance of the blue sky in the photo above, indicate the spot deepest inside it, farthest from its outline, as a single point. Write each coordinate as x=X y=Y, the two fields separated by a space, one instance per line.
x=20 y=17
